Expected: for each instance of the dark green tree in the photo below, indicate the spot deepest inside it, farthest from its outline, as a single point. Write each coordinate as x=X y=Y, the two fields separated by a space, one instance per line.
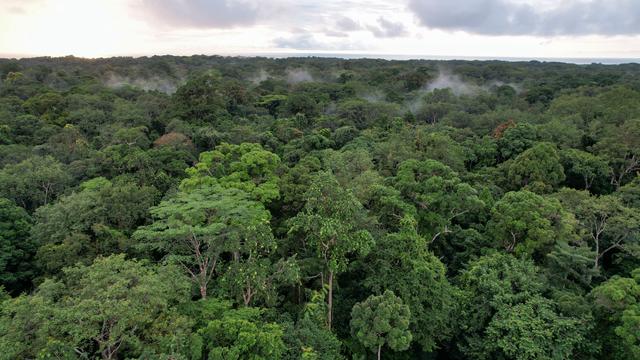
x=16 y=248
x=331 y=224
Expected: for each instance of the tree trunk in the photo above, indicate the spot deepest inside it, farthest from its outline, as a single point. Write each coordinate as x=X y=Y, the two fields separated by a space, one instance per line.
x=379 y=351
x=203 y=291
x=330 y=300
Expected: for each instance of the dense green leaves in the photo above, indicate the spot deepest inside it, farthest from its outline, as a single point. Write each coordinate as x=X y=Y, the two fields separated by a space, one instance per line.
x=33 y=182
x=207 y=207
x=382 y=320
x=16 y=248
x=524 y=223
x=197 y=228
x=99 y=310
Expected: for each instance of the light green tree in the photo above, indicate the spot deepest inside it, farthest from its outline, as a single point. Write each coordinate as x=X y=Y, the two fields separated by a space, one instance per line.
x=34 y=182
x=196 y=227
x=538 y=169
x=382 y=320
x=247 y=167
x=618 y=303
x=111 y=308
x=525 y=223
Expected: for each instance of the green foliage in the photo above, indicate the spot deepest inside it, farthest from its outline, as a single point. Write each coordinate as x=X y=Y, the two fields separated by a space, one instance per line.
x=524 y=223
x=197 y=227
x=96 y=220
x=507 y=317
x=533 y=330
x=611 y=228
x=247 y=167
x=33 y=182
x=331 y=223
x=441 y=198
x=382 y=320
x=241 y=334
x=111 y=308
x=516 y=140
x=583 y=168
x=401 y=263
x=268 y=203
x=200 y=100
x=16 y=248
x=537 y=169
x=618 y=300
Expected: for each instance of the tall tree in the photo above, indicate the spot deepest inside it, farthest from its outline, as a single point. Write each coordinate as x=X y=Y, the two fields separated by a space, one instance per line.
x=16 y=247
x=402 y=263
x=618 y=303
x=622 y=150
x=196 y=227
x=331 y=223
x=96 y=219
x=605 y=222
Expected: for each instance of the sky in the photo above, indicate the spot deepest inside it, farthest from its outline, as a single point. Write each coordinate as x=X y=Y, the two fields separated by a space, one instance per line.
x=453 y=28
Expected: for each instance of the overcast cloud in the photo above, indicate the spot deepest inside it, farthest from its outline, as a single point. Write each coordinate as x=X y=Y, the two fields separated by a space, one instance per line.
x=386 y=28
x=200 y=13
x=490 y=28
x=504 y=17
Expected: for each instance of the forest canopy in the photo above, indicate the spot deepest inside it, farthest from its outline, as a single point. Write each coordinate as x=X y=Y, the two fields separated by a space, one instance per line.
x=212 y=207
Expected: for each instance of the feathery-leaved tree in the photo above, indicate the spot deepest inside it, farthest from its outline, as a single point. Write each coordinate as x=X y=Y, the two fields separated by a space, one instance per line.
x=196 y=227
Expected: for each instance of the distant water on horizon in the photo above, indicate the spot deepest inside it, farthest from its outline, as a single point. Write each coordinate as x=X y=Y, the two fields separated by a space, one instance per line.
x=282 y=55
x=571 y=60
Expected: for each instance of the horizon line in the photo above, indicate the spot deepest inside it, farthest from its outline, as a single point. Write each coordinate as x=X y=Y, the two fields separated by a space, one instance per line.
x=354 y=55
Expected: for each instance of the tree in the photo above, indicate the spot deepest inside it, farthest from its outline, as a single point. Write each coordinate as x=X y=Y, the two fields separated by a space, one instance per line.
x=533 y=330
x=584 y=166
x=527 y=224
x=16 y=248
x=505 y=316
x=33 y=182
x=115 y=308
x=402 y=263
x=227 y=333
x=201 y=100
x=381 y=320
x=622 y=150
x=331 y=224
x=538 y=169
x=605 y=222
x=516 y=139
x=254 y=277
x=197 y=227
x=490 y=283
x=630 y=194
x=618 y=303
x=309 y=338
x=97 y=219
x=441 y=198
x=246 y=166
